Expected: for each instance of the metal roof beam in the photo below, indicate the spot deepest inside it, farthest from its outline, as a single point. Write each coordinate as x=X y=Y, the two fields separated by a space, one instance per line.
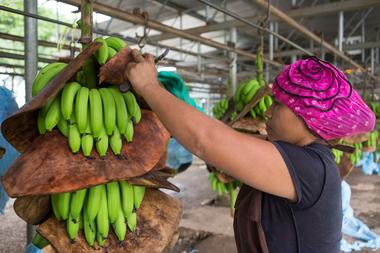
x=129 y=17
x=318 y=10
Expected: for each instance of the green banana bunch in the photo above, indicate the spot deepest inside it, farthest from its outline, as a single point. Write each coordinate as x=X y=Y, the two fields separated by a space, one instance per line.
x=356 y=156
x=338 y=155
x=46 y=75
x=224 y=188
x=250 y=91
x=116 y=43
x=372 y=138
x=101 y=54
x=375 y=107
x=95 y=208
x=220 y=108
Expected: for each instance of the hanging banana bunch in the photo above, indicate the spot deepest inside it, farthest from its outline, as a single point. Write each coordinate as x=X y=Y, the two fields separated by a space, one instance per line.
x=98 y=208
x=221 y=188
x=87 y=116
x=220 y=108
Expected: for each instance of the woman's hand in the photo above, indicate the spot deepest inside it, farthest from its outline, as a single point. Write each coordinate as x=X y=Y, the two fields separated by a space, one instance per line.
x=141 y=71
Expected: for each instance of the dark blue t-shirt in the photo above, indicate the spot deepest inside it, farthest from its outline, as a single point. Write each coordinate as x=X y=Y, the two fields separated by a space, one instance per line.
x=314 y=222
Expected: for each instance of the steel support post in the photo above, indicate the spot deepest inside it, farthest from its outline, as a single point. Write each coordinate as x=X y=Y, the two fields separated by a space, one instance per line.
x=181 y=39
x=372 y=61
x=363 y=40
x=341 y=30
x=233 y=58
x=31 y=65
x=30 y=47
x=275 y=38
x=271 y=41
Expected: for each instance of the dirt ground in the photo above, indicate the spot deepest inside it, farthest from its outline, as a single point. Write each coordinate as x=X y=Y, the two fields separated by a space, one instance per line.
x=207 y=228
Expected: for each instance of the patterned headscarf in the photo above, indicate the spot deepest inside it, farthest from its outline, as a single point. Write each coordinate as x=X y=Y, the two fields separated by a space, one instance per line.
x=322 y=96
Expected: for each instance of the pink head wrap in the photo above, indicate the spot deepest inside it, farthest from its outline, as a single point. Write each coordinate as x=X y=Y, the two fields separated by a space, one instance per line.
x=322 y=96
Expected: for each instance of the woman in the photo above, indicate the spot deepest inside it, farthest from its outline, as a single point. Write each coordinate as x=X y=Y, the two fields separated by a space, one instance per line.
x=291 y=198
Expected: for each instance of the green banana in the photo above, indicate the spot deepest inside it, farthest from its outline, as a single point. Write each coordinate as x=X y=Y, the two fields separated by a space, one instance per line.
x=53 y=115
x=116 y=43
x=132 y=221
x=109 y=110
x=96 y=112
x=252 y=92
x=237 y=96
x=87 y=143
x=116 y=142
x=233 y=194
x=262 y=105
x=111 y=53
x=122 y=116
x=76 y=204
x=253 y=114
x=133 y=107
x=46 y=74
x=81 y=109
x=90 y=73
x=54 y=204
x=127 y=198
x=119 y=226
x=74 y=138
x=93 y=202
x=67 y=99
x=102 y=143
x=101 y=54
x=129 y=131
x=63 y=127
x=89 y=229
x=268 y=101
x=41 y=122
x=63 y=204
x=138 y=195
x=102 y=221
x=247 y=88
x=39 y=241
x=114 y=205
x=72 y=227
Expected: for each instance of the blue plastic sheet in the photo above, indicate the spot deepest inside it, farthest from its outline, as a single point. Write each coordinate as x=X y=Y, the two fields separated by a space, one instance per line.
x=32 y=249
x=354 y=228
x=8 y=106
x=368 y=164
x=177 y=154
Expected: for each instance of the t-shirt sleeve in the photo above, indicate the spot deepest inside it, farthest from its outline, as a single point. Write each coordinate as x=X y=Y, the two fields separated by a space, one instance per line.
x=306 y=170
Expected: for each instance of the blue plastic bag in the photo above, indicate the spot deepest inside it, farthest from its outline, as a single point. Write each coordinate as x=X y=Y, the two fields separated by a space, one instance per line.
x=354 y=228
x=8 y=106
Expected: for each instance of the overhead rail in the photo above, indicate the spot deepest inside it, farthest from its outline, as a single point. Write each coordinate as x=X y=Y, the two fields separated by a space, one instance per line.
x=138 y=19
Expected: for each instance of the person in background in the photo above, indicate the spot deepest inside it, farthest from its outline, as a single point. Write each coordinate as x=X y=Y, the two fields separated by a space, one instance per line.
x=291 y=198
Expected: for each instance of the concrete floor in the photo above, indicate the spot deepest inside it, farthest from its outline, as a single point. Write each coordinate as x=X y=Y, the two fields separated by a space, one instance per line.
x=205 y=228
